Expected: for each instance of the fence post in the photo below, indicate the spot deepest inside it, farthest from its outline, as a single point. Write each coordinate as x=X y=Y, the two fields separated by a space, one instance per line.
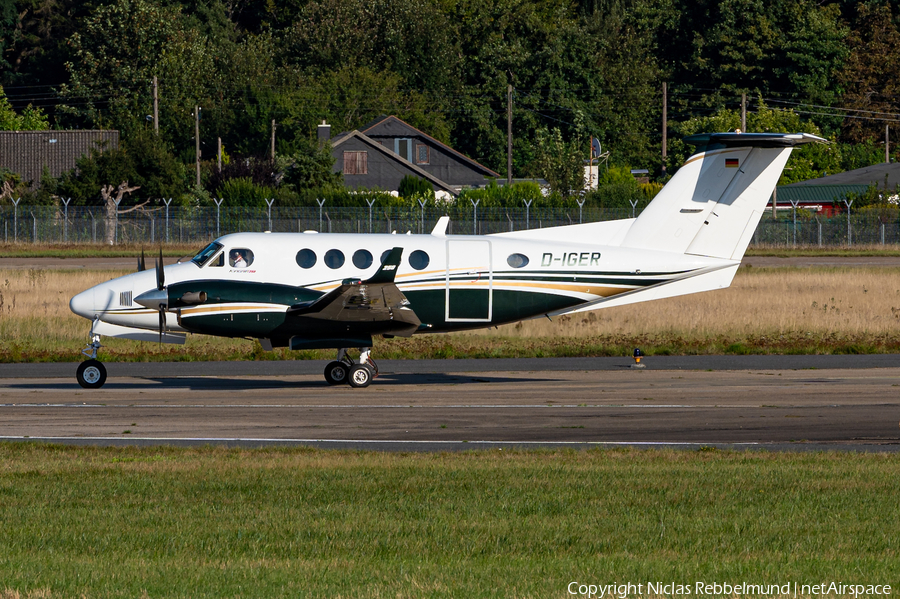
x=849 y=232
x=66 y=219
x=269 y=203
x=93 y=227
x=329 y=222
x=475 y=216
x=167 y=202
x=633 y=206
x=34 y=236
x=794 y=204
x=581 y=205
x=321 y=203
x=527 y=213
x=152 y=230
x=510 y=222
x=370 y=203
x=421 y=215
x=116 y=225
x=218 y=211
x=15 y=219
x=819 y=223
x=882 y=233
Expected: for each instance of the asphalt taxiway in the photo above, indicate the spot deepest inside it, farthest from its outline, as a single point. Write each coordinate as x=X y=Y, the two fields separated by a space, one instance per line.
x=767 y=402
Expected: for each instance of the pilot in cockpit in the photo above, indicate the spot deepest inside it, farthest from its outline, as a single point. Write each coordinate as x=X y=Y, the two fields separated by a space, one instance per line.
x=237 y=259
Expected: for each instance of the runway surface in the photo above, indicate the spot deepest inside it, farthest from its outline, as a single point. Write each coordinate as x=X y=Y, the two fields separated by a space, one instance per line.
x=773 y=402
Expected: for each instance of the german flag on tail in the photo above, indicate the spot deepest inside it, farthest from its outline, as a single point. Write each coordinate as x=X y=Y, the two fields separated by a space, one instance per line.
x=731 y=163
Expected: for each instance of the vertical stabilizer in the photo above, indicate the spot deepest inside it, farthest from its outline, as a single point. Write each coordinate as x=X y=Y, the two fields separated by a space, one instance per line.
x=713 y=203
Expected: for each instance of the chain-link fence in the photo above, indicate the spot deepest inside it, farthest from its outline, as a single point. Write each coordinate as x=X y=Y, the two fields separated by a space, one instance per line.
x=43 y=224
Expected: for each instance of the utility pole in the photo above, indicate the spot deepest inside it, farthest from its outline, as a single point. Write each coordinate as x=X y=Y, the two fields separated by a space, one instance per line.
x=887 y=144
x=273 y=141
x=197 y=140
x=509 y=175
x=665 y=127
x=743 y=113
x=155 y=106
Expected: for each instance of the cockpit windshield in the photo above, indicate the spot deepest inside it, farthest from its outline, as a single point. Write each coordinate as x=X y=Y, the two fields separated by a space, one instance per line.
x=206 y=253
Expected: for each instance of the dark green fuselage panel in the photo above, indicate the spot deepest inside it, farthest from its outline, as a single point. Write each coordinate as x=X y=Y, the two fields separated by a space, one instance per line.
x=221 y=316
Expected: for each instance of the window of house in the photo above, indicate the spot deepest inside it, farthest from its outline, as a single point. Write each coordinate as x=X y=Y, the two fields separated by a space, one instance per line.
x=422 y=154
x=356 y=163
x=404 y=147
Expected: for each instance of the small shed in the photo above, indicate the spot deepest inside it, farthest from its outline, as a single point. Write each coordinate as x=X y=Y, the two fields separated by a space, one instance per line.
x=823 y=193
x=27 y=153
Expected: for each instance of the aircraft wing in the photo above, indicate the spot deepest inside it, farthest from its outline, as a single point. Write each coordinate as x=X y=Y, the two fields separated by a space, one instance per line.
x=374 y=303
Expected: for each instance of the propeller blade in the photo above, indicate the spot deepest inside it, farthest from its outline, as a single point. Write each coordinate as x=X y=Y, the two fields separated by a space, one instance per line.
x=162 y=322
x=142 y=263
x=160 y=273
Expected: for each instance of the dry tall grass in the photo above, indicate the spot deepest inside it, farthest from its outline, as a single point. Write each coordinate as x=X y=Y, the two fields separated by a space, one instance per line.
x=785 y=309
x=760 y=301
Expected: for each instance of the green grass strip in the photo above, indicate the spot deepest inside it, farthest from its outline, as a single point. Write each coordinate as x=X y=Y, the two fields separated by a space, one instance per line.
x=212 y=522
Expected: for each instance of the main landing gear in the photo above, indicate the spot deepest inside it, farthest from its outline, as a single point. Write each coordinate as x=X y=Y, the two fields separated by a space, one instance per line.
x=344 y=370
x=91 y=373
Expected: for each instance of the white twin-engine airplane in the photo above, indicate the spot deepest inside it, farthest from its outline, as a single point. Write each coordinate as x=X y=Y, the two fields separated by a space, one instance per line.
x=337 y=291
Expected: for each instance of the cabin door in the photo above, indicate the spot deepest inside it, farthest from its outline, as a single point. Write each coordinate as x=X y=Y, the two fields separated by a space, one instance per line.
x=469 y=281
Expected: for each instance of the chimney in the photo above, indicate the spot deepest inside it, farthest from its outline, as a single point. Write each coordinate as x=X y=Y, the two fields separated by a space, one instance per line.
x=324 y=132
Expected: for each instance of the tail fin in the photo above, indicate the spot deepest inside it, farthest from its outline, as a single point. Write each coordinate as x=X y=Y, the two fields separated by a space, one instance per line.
x=713 y=203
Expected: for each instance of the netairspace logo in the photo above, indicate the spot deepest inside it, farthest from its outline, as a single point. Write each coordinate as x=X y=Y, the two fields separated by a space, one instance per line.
x=628 y=590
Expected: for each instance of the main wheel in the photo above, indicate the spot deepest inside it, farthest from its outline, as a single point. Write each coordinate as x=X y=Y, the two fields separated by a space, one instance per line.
x=91 y=374
x=360 y=376
x=336 y=373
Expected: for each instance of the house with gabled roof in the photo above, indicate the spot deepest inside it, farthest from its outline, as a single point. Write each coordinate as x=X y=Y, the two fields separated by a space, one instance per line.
x=382 y=152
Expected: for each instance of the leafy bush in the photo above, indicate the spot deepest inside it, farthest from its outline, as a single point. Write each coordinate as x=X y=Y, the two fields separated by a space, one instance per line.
x=503 y=196
x=414 y=188
x=242 y=191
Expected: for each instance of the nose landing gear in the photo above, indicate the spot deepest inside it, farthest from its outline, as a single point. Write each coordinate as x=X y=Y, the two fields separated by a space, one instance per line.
x=91 y=373
x=344 y=370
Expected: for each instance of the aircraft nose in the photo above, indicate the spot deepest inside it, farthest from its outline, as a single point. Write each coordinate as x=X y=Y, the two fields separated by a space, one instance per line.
x=83 y=304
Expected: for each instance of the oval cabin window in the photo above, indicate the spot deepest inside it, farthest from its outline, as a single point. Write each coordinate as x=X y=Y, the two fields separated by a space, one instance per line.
x=517 y=260
x=306 y=258
x=362 y=259
x=419 y=260
x=334 y=259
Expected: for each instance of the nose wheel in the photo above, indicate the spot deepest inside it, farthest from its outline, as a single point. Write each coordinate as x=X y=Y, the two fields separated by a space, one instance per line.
x=91 y=374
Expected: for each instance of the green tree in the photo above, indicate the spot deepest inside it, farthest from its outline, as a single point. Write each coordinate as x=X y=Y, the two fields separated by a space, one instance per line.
x=143 y=160
x=871 y=77
x=808 y=162
x=31 y=119
x=794 y=47
x=559 y=162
